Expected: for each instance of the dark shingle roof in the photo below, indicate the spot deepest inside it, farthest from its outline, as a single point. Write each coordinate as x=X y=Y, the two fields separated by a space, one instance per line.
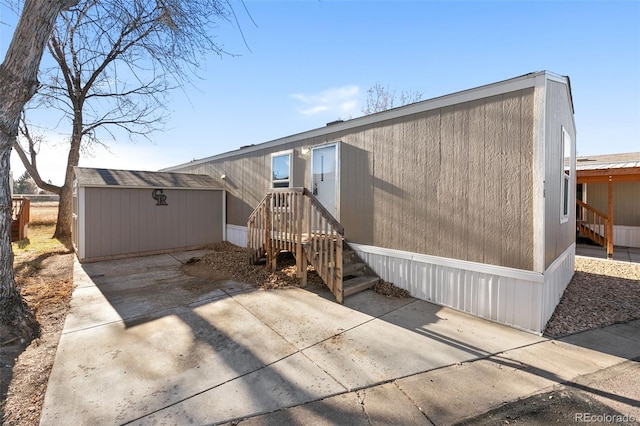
x=89 y=177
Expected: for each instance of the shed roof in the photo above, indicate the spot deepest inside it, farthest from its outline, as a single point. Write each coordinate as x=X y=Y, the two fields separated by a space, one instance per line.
x=92 y=177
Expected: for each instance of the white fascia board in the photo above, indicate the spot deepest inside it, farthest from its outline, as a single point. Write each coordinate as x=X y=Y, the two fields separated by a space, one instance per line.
x=518 y=83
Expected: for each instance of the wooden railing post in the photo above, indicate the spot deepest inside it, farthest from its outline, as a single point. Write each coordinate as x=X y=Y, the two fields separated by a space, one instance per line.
x=281 y=217
x=609 y=222
x=338 y=290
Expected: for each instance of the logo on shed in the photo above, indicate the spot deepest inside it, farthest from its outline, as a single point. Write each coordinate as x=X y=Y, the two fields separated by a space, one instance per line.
x=158 y=195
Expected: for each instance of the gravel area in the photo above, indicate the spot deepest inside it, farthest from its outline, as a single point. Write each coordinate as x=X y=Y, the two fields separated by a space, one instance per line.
x=602 y=292
x=226 y=261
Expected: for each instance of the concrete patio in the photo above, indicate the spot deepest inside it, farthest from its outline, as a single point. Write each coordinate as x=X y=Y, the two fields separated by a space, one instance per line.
x=144 y=344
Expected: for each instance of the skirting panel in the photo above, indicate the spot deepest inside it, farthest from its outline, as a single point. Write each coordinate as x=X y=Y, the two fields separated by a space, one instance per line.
x=521 y=299
x=237 y=235
x=625 y=236
x=556 y=278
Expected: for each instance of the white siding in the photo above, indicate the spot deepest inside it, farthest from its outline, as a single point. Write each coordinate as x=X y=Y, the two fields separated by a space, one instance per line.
x=626 y=236
x=556 y=278
x=237 y=235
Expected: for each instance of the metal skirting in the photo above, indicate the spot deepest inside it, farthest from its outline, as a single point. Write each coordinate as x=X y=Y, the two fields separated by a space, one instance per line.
x=521 y=299
x=237 y=235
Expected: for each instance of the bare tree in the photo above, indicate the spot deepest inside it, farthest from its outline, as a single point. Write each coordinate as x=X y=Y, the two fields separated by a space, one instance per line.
x=380 y=98
x=115 y=63
x=18 y=83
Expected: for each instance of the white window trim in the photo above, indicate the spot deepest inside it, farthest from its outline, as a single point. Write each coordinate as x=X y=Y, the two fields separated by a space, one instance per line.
x=288 y=152
x=566 y=178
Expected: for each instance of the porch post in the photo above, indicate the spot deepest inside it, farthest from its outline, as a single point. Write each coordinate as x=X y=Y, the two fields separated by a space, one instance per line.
x=267 y=231
x=610 y=221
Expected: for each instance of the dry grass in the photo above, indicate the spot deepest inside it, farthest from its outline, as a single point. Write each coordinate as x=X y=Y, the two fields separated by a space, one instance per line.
x=43 y=213
x=44 y=274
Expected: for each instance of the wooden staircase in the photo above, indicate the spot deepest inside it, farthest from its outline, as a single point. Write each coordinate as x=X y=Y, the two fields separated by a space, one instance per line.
x=594 y=225
x=357 y=276
x=292 y=219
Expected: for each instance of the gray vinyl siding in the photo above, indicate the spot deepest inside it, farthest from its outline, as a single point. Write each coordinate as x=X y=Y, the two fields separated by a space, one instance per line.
x=121 y=221
x=453 y=182
x=558 y=236
x=626 y=207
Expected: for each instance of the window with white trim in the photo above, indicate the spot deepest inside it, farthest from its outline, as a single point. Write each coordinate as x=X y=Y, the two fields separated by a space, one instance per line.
x=565 y=190
x=281 y=170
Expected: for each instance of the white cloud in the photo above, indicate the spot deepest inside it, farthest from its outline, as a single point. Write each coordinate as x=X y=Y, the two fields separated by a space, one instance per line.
x=339 y=100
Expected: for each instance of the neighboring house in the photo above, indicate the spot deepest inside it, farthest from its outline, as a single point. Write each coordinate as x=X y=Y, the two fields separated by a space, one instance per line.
x=462 y=199
x=609 y=186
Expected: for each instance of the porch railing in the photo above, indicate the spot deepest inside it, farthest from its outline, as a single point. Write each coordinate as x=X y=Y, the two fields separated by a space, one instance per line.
x=292 y=219
x=593 y=224
x=20 y=212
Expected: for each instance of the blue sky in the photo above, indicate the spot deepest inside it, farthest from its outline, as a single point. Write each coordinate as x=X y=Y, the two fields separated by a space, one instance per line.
x=311 y=62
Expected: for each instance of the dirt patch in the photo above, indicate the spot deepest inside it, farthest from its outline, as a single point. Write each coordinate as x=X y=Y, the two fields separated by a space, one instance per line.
x=44 y=275
x=229 y=262
x=390 y=290
x=562 y=406
x=226 y=261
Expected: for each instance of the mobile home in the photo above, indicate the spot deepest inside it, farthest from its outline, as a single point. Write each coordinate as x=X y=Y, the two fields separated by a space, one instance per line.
x=463 y=200
x=608 y=190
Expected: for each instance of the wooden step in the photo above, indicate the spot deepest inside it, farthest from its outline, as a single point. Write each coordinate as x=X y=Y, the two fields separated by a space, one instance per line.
x=353 y=269
x=356 y=285
x=348 y=256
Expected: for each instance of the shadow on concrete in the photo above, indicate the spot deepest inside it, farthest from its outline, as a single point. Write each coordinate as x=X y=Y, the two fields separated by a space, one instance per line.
x=158 y=289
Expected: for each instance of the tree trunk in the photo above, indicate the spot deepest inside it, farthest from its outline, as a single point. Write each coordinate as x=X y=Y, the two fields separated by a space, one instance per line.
x=63 y=225
x=18 y=83
x=15 y=315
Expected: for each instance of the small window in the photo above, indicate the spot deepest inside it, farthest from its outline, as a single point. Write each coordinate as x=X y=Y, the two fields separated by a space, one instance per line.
x=281 y=170
x=565 y=189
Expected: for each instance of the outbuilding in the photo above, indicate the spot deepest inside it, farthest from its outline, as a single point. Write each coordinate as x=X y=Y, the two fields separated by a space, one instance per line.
x=123 y=213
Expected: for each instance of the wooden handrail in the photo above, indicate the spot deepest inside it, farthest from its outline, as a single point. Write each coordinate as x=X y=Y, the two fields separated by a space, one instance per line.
x=276 y=225
x=593 y=223
x=325 y=212
x=591 y=209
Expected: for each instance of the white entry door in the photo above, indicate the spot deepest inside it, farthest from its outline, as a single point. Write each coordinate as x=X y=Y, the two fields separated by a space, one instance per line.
x=324 y=176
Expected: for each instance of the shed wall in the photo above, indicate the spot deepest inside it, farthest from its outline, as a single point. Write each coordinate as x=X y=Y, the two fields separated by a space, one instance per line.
x=122 y=221
x=558 y=235
x=452 y=182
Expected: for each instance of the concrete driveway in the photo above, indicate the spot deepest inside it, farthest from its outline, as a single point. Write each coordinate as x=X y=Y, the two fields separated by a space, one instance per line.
x=144 y=344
